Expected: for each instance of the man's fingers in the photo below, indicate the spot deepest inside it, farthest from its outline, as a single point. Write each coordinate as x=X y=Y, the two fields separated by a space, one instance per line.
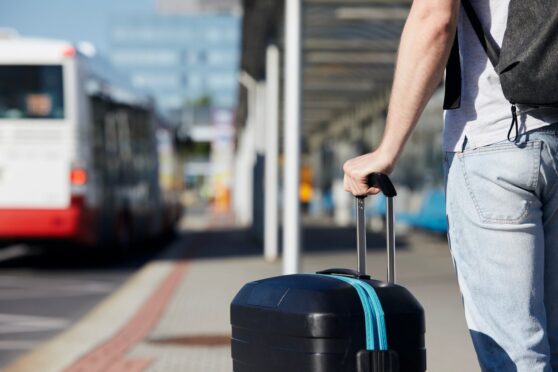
x=346 y=185
x=373 y=191
x=356 y=169
x=357 y=188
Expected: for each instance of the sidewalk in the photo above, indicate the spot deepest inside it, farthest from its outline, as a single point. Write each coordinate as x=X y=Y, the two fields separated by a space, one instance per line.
x=173 y=315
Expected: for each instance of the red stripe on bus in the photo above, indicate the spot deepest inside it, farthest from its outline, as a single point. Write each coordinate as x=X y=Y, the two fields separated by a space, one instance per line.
x=76 y=222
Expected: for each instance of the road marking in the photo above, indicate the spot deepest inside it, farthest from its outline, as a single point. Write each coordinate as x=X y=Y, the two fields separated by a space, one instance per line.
x=14 y=251
x=28 y=287
x=18 y=345
x=10 y=323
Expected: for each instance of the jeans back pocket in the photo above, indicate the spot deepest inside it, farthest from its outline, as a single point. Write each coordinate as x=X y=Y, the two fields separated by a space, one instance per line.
x=501 y=180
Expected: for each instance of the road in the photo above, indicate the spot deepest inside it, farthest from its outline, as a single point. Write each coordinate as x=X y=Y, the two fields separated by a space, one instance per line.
x=43 y=292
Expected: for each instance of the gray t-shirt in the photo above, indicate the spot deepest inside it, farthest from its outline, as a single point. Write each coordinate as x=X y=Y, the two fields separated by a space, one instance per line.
x=485 y=115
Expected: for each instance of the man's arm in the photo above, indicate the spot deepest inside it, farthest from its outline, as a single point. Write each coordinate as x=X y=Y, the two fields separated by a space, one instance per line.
x=423 y=52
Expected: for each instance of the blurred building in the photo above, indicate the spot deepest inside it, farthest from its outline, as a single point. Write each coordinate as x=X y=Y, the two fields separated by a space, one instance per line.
x=180 y=59
x=190 y=6
x=187 y=56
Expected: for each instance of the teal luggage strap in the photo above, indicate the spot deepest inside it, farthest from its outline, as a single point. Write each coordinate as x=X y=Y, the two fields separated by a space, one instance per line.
x=373 y=312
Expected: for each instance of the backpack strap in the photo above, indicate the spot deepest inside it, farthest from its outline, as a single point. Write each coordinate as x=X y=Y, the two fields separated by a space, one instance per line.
x=488 y=44
x=452 y=99
x=452 y=94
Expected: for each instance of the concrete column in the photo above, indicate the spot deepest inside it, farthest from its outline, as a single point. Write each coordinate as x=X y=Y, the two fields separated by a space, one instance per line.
x=315 y=161
x=271 y=249
x=259 y=162
x=343 y=201
x=245 y=158
x=293 y=98
x=243 y=179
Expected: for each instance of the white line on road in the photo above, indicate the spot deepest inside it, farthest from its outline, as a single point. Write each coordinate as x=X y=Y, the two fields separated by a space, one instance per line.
x=29 y=291
x=10 y=323
x=14 y=251
x=18 y=345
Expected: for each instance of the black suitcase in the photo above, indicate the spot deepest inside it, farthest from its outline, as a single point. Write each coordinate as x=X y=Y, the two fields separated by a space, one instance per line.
x=316 y=323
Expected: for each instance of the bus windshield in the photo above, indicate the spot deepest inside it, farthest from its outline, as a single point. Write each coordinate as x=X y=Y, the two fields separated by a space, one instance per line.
x=31 y=92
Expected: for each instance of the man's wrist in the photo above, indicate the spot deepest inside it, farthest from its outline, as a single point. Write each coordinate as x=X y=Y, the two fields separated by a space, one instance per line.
x=388 y=154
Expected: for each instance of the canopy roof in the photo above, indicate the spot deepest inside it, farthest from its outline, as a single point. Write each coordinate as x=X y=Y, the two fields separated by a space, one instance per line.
x=349 y=52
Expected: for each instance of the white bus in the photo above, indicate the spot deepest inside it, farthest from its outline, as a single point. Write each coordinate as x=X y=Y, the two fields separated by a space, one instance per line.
x=78 y=151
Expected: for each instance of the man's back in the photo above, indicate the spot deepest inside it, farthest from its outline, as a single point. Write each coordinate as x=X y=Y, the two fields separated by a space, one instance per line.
x=484 y=116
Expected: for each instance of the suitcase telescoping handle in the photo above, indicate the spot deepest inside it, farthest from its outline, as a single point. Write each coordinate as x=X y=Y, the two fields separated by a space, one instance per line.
x=383 y=182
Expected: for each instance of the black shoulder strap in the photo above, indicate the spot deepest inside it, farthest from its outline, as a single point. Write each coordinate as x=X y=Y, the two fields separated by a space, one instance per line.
x=488 y=44
x=452 y=94
x=452 y=99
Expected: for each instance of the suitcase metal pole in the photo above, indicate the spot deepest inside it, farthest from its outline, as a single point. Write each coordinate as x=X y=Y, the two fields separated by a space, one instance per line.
x=361 y=236
x=390 y=238
x=382 y=181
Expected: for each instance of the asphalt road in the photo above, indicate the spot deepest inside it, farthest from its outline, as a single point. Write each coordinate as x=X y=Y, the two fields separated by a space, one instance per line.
x=43 y=292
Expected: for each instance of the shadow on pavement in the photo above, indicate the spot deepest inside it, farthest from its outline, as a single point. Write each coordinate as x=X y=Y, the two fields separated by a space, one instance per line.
x=74 y=258
x=236 y=242
x=189 y=244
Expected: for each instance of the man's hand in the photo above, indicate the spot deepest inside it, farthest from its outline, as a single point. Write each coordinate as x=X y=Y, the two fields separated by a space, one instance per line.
x=357 y=170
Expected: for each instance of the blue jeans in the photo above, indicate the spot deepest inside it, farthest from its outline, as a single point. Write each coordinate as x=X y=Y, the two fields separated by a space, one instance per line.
x=502 y=208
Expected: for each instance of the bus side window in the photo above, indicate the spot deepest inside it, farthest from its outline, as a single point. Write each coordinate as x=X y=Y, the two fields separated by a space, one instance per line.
x=124 y=143
x=98 y=112
x=111 y=137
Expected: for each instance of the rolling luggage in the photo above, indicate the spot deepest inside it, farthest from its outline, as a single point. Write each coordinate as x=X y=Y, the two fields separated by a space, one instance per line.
x=337 y=320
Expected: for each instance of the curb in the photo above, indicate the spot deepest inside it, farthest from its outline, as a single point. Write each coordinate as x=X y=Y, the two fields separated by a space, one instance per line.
x=100 y=325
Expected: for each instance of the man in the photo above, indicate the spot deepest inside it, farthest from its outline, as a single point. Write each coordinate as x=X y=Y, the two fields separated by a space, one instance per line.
x=501 y=202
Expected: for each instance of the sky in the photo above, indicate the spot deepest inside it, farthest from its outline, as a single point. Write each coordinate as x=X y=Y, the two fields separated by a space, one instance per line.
x=72 y=20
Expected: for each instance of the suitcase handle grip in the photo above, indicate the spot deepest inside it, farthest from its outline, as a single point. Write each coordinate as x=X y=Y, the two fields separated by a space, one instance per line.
x=383 y=182
x=344 y=272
